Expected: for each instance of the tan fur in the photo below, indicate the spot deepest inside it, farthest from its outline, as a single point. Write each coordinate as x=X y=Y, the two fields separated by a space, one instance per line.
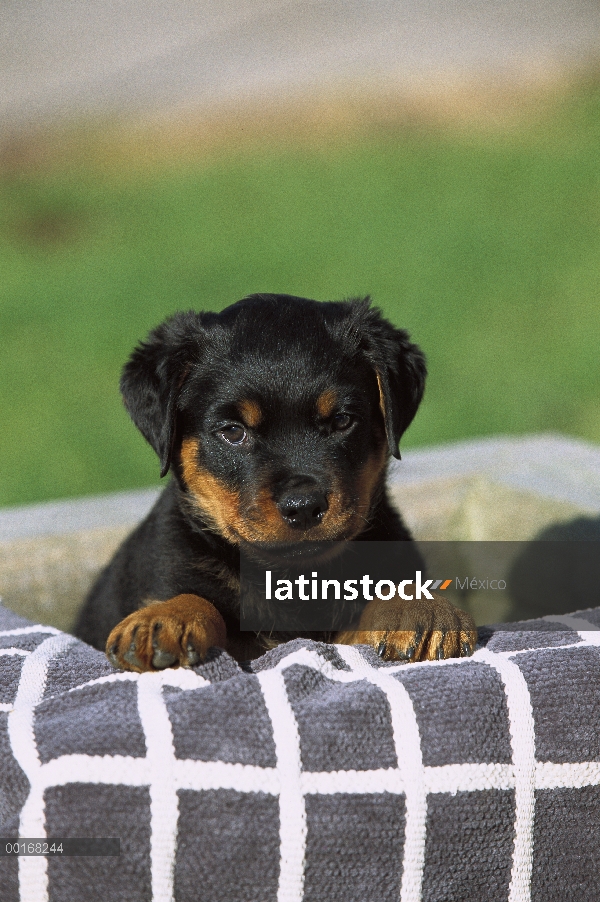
x=261 y=521
x=326 y=403
x=413 y=630
x=219 y=504
x=181 y=623
x=250 y=412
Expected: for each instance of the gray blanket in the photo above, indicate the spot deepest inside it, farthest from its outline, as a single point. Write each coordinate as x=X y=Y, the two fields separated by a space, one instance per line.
x=322 y=775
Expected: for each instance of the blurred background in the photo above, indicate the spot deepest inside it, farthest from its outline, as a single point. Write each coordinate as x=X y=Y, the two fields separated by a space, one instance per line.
x=443 y=157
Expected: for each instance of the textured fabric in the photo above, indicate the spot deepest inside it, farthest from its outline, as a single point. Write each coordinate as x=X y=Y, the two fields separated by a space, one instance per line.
x=322 y=775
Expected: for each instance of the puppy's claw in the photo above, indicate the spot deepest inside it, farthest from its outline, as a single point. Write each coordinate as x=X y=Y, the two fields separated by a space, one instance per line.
x=381 y=649
x=465 y=650
x=131 y=657
x=193 y=657
x=112 y=656
x=408 y=654
x=162 y=659
x=440 y=653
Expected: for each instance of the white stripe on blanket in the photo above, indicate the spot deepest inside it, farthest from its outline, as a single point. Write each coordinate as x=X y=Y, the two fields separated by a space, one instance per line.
x=522 y=733
x=33 y=876
x=407 y=742
x=292 y=810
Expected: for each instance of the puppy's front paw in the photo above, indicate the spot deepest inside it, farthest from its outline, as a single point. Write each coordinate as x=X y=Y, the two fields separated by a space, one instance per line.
x=172 y=633
x=425 y=630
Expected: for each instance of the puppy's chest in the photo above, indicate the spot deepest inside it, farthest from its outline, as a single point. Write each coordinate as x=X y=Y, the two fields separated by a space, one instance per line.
x=215 y=580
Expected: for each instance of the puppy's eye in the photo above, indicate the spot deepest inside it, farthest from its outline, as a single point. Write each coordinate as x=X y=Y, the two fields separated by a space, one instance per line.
x=341 y=422
x=234 y=434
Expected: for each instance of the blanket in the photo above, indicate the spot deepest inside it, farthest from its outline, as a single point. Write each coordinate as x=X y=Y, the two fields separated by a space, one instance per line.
x=318 y=773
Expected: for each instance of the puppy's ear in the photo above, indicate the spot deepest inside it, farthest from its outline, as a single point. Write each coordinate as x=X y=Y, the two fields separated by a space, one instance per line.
x=399 y=367
x=153 y=378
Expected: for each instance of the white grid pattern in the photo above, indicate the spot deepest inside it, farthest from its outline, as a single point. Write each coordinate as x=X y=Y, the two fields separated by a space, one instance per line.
x=165 y=774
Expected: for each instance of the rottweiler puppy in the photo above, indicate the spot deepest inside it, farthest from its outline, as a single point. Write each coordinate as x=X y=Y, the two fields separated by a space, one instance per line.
x=277 y=418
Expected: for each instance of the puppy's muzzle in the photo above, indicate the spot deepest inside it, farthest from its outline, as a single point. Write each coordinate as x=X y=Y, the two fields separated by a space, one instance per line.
x=303 y=507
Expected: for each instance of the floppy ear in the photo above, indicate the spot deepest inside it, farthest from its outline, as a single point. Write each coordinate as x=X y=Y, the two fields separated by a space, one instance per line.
x=401 y=382
x=399 y=367
x=153 y=378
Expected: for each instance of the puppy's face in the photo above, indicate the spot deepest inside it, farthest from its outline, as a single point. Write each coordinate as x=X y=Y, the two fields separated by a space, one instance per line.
x=278 y=445
x=277 y=415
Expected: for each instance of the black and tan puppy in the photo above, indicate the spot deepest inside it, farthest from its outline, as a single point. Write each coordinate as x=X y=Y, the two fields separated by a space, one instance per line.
x=277 y=418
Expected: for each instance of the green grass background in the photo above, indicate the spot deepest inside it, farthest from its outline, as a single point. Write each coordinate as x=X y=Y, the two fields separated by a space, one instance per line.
x=484 y=245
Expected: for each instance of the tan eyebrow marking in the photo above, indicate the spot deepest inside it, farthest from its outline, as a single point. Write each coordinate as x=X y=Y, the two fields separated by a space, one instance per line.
x=326 y=403
x=250 y=413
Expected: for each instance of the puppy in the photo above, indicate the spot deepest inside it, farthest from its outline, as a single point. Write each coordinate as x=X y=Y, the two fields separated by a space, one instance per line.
x=276 y=418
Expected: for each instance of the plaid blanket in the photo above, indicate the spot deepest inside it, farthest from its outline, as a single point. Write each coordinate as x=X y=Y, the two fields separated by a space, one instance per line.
x=323 y=774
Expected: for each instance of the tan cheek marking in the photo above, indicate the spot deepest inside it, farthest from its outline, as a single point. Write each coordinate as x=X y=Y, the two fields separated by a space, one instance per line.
x=250 y=412
x=343 y=515
x=326 y=403
x=338 y=516
x=220 y=504
x=269 y=512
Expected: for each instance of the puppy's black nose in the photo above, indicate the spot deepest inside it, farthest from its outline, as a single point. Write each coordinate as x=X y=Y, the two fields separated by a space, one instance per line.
x=302 y=508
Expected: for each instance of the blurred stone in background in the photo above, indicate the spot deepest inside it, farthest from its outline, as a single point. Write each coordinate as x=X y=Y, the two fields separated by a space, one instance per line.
x=496 y=490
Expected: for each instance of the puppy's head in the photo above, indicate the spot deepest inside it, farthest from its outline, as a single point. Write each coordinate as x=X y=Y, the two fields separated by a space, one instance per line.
x=277 y=415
